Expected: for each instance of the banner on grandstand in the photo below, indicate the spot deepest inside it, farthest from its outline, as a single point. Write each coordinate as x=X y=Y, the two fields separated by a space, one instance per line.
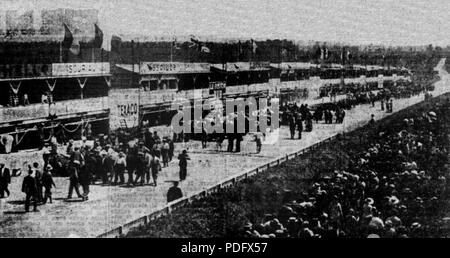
x=173 y=67
x=259 y=65
x=75 y=69
x=124 y=108
x=380 y=81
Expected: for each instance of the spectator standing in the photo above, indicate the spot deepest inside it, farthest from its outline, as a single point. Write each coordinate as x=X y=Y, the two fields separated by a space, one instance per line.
x=5 y=180
x=48 y=183
x=30 y=189
x=174 y=192
x=183 y=158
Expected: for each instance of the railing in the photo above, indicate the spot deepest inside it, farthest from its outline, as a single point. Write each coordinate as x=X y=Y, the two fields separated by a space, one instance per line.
x=61 y=108
x=226 y=183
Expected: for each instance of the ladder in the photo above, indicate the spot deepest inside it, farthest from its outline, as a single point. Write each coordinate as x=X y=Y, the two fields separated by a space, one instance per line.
x=123 y=124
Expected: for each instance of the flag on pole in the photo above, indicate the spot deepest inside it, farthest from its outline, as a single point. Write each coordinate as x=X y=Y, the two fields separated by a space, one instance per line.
x=68 y=37
x=205 y=49
x=324 y=53
x=254 y=46
x=200 y=45
x=175 y=44
x=98 y=39
x=345 y=55
x=70 y=41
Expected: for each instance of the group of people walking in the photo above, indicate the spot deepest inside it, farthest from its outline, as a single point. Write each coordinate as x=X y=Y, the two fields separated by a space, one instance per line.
x=103 y=161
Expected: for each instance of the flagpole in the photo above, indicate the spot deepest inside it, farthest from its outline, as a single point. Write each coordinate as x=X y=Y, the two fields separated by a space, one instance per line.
x=60 y=52
x=171 y=51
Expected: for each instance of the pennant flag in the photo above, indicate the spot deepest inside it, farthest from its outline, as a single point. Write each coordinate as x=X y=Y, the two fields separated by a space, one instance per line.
x=175 y=44
x=205 y=50
x=324 y=53
x=345 y=55
x=68 y=37
x=318 y=52
x=98 y=39
x=254 y=46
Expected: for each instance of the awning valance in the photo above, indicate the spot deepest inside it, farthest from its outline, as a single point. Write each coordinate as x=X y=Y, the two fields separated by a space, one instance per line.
x=291 y=66
x=242 y=66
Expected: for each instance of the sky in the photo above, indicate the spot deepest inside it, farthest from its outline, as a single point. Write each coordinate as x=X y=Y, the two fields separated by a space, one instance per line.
x=387 y=22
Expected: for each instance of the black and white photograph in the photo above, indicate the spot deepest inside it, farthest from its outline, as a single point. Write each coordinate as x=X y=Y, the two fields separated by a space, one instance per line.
x=238 y=119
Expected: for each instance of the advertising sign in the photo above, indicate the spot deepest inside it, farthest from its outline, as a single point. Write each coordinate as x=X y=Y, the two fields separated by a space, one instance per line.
x=80 y=69
x=124 y=108
x=173 y=67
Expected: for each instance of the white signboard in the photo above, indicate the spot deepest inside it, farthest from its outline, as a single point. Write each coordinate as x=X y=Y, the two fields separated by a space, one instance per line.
x=80 y=69
x=173 y=67
x=124 y=108
x=380 y=81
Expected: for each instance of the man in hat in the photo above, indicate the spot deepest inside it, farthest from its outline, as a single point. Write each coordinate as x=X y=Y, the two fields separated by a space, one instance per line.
x=183 y=158
x=30 y=189
x=38 y=177
x=69 y=148
x=148 y=139
x=131 y=161
x=372 y=120
x=85 y=180
x=165 y=152
x=174 y=192
x=258 y=142
x=156 y=137
x=291 y=122
x=119 y=167
x=155 y=167
x=141 y=166
x=5 y=180
x=48 y=183
x=74 y=179
x=77 y=156
x=171 y=148
x=299 y=124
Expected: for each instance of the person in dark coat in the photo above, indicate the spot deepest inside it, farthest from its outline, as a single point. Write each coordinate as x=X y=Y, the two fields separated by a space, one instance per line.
x=74 y=180
x=230 y=142
x=29 y=187
x=239 y=139
x=258 y=143
x=183 y=157
x=48 y=183
x=5 y=180
x=148 y=138
x=131 y=164
x=171 y=149
x=299 y=124
x=291 y=122
x=174 y=192
x=38 y=177
x=155 y=167
x=85 y=180
x=107 y=166
x=141 y=166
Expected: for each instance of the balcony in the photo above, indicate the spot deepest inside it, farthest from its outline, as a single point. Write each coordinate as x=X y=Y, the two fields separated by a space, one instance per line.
x=61 y=109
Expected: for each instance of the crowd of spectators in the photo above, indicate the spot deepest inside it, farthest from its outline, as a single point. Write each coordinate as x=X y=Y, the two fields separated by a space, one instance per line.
x=395 y=188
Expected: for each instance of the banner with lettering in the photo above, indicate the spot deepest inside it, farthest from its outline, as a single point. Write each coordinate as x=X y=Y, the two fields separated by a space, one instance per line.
x=173 y=67
x=124 y=108
x=80 y=69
